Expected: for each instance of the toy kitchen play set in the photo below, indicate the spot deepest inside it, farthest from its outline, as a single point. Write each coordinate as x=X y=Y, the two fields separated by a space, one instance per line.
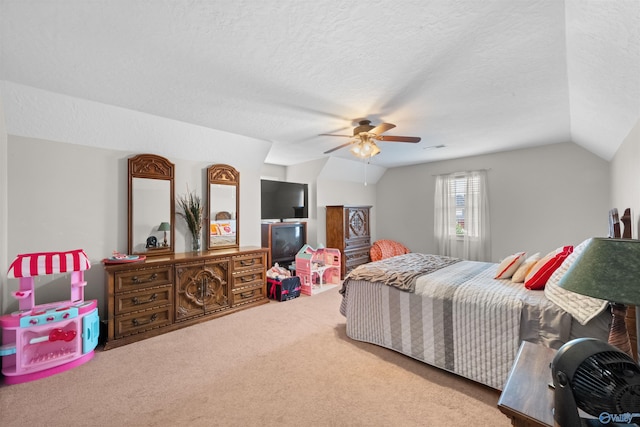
x=42 y=340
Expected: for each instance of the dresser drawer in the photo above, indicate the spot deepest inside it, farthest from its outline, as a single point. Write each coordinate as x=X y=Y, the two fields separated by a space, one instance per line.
x=248 y=278
x=247 y=295
x=359 y=242
x=248 y=262
x=142 y=321
x=355 y=258
x=143 y=278
x=143 y=299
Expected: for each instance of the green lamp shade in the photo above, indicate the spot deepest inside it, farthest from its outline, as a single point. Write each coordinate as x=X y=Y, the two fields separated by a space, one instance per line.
x=608 y=269
x=164 y=227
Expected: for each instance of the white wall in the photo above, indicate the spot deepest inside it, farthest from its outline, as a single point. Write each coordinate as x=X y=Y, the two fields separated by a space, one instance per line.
x=273 y=172
x=625 y=178
x=625 y=186
x=348 y=182
x=333 y=192
x=307 y=173
x=68 y=196
x=540 y=198
x=66 y=179
x=4 y=173
x=50 y=116
x=332 y=181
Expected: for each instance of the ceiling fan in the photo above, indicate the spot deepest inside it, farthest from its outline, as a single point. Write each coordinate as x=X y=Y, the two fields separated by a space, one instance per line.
x=364 y=137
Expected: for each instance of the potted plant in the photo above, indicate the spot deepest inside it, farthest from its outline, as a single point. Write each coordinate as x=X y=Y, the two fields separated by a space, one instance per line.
x=191 y=206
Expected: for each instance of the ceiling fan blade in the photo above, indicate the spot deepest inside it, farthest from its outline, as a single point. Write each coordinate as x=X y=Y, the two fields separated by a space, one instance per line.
x=392 y=138
x=382 y=128
x=335 y=134
x=338 y=147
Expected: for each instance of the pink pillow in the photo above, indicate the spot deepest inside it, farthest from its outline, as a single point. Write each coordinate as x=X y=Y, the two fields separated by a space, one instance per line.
x=509 y=265
x=540 y=273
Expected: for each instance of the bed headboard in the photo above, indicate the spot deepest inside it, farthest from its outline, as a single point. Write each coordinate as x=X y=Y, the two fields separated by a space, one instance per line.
x=614 y=232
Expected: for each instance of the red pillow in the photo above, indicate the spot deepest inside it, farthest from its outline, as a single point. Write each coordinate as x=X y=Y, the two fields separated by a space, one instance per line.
x=540 y=273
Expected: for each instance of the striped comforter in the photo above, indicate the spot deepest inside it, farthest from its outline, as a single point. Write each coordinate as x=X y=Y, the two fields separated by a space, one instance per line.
x=457 y=318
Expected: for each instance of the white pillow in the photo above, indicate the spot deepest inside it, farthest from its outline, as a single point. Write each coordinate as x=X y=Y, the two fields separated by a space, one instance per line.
x=525 y=267
x=583 y=308
x=509 y=265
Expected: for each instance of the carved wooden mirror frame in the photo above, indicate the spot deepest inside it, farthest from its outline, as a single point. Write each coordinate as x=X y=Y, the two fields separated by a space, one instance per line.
x=223 y=196
x=150 y=167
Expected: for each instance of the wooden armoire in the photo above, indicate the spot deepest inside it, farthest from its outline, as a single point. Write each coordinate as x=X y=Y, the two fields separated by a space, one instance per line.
x=348 y=230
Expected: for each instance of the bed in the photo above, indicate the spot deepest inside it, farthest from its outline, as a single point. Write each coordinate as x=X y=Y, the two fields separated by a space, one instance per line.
x=454 y=314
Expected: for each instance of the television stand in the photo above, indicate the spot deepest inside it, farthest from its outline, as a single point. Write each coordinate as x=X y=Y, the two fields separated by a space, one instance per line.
x=283 y=240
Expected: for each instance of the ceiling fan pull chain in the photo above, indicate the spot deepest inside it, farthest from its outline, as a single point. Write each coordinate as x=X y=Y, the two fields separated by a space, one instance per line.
x=366 y=162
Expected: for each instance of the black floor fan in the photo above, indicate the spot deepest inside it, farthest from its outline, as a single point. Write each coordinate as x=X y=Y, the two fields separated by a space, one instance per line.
x=597 y=378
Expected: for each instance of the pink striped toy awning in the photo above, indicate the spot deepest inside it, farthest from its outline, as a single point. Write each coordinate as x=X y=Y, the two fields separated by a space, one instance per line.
x=43 y=263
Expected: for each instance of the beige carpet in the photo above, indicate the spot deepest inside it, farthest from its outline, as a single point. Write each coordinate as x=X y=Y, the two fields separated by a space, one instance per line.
x=287 y=363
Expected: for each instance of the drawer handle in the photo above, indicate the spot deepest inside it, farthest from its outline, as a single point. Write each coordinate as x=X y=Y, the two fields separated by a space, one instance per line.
x=246 y=279
x=247 y=262
x=247 y=294
x=137 y=281
x=152 y=298
x=152 y=319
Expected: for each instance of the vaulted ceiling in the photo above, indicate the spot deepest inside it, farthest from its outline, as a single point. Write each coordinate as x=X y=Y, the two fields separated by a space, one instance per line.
x=473 y=76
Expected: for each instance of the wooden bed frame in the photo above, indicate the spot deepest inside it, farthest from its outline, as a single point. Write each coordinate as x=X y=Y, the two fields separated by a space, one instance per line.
x=616 y=233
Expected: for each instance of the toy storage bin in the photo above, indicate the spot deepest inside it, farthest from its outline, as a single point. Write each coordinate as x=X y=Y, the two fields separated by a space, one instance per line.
x=284 y=289
x=41 y=340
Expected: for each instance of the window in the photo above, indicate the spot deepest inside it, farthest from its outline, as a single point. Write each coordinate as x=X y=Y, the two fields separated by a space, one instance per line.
x=461 y=215
x=462 y=188
x=459 y=191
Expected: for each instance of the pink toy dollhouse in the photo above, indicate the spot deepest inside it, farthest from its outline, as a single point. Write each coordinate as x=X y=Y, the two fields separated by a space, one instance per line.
x=42 y=340
x=316 y=268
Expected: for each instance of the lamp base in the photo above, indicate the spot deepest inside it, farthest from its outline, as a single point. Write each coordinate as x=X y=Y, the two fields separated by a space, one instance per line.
x=618 y=335
x=637 y=330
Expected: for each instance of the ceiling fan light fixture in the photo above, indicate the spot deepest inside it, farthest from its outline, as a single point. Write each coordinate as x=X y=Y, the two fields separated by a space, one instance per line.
x=374 y=151
x=362 y=143
x=365 y=149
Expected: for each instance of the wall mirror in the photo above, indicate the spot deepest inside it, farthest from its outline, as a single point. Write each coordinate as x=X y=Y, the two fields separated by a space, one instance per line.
x=151 y=205
x=224 y=207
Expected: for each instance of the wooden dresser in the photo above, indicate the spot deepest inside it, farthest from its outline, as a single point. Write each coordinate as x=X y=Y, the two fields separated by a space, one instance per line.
x=162 y=294
x=348 y=230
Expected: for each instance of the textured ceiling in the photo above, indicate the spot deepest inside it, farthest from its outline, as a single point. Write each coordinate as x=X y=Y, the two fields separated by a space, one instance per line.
x=474 y=76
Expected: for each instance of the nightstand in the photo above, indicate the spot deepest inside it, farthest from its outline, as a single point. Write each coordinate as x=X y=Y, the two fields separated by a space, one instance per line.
x=527 y=398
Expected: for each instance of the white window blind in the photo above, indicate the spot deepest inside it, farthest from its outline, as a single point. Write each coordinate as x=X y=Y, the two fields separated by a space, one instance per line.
x=464 y=188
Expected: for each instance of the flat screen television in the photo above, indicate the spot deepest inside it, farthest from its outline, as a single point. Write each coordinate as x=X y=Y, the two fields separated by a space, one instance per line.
x=283 y=200
x=286 y=241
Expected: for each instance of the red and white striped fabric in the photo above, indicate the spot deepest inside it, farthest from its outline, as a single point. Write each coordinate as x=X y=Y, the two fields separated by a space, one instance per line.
x=29 y=265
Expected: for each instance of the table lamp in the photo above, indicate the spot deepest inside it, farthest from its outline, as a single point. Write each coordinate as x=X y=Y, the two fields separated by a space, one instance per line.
x=609 y=269
x=164 y=226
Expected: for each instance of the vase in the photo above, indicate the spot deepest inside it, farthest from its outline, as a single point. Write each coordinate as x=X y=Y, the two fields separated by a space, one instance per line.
x=196 y=243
